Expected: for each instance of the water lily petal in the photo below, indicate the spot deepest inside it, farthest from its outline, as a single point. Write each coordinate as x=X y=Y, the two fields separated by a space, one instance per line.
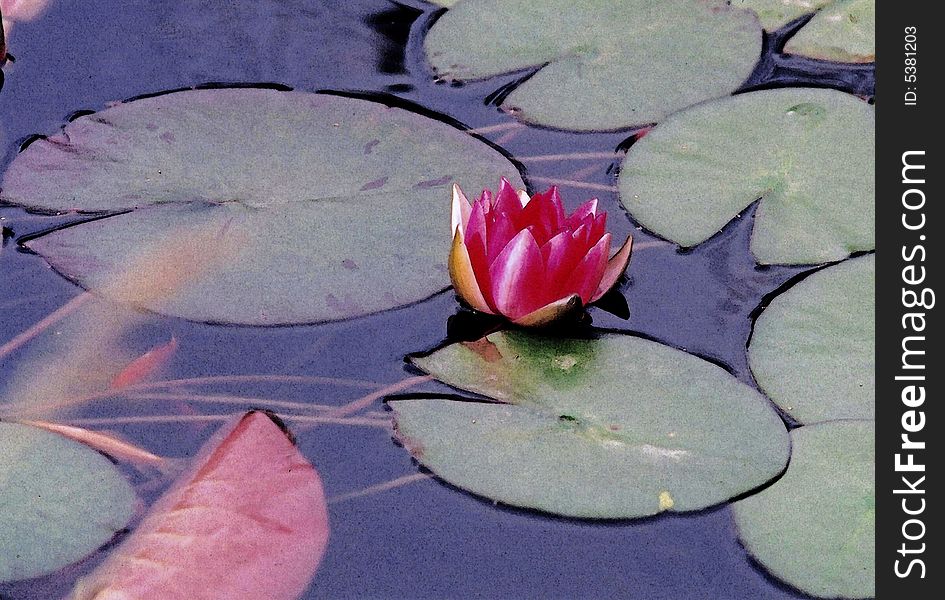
x=517 y=277
x=476 y=225
x=523 y=197
x=461 y=210
x=599 y=227
x=550 y=312
x=486 y=199
x=507 y=200
x=501 y=230
x=589 y=208
x=463 y=276
x=615 y=268
x=582 y=233
x=475 y=242
x=586 y=277
x=540 y=214
x=561 y=256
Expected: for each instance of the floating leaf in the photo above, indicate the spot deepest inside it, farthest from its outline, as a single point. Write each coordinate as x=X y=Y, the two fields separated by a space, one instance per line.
x=606 y=428
x=815 y=527
x=337 y=204
x=843 y=31
x=600 y=64
x=806 y=153
x=59 y=501
x=250 y=521
x=812 y=348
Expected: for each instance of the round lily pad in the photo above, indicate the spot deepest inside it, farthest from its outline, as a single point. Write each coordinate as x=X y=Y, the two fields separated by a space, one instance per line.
x=812 y=348
x=604 y=428
x=601 y=64
x=807 y=154
x=308 y=207
x=843 y=31
x=815 y=527
x=59 y=501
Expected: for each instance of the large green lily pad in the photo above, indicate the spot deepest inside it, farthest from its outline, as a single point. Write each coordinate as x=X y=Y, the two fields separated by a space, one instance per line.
x=601 y=64
x=312 y=207
x=807 y=154
x=842 y=30
x=606 y=428
x=59 y=501
x=815 y=527
x=812 y=348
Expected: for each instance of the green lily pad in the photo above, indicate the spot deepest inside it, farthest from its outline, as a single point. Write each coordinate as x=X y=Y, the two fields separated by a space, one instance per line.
x=807 y=154
x=605 y=428
x=815 y=527
x=844 y=31
x=812 y=348
x=602 y=65
x=314 y=207
x=59 y=501
x=775 y=14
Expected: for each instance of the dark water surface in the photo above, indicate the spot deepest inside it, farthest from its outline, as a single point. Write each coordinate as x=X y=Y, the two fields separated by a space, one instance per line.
x=426 y=540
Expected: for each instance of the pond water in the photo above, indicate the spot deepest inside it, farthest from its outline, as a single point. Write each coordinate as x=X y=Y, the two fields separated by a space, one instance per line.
x=426 y=539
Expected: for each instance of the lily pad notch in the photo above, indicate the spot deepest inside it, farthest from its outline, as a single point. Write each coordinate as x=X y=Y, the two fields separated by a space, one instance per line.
x=701 y=167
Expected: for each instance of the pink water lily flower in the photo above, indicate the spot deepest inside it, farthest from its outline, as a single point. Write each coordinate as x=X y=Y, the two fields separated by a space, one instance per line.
x=524 y=259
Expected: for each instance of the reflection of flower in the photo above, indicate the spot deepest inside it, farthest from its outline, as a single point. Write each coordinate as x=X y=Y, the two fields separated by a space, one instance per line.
x=525 y=260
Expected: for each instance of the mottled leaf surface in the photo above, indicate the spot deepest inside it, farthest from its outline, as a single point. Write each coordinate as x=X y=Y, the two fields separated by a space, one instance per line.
x=59 y=501
x=814 y=528
x=337 y=207
x=812 y=348
x=807 y=154
x=604 y=428
x=600 y=64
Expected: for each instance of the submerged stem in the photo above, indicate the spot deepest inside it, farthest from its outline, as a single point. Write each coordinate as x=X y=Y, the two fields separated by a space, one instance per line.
x=365 y=401
x=52 y=318
x=575 y=184
x=570 y=156
x=380 y=487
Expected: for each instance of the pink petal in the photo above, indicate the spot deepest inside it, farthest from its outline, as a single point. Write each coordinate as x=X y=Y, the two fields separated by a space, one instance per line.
x=249 y=521
x=561 y=255
x=599 y=227
x=615 y=268
x=486 y=199
x=477 y=221
x=507 y=199
x=461 y=209
x=589 y=208
x=541 y=214
x=585 y=278
x=501 y=230
x=463 y=277
x=517 y=276
x=582 y=234
x=550 y=312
